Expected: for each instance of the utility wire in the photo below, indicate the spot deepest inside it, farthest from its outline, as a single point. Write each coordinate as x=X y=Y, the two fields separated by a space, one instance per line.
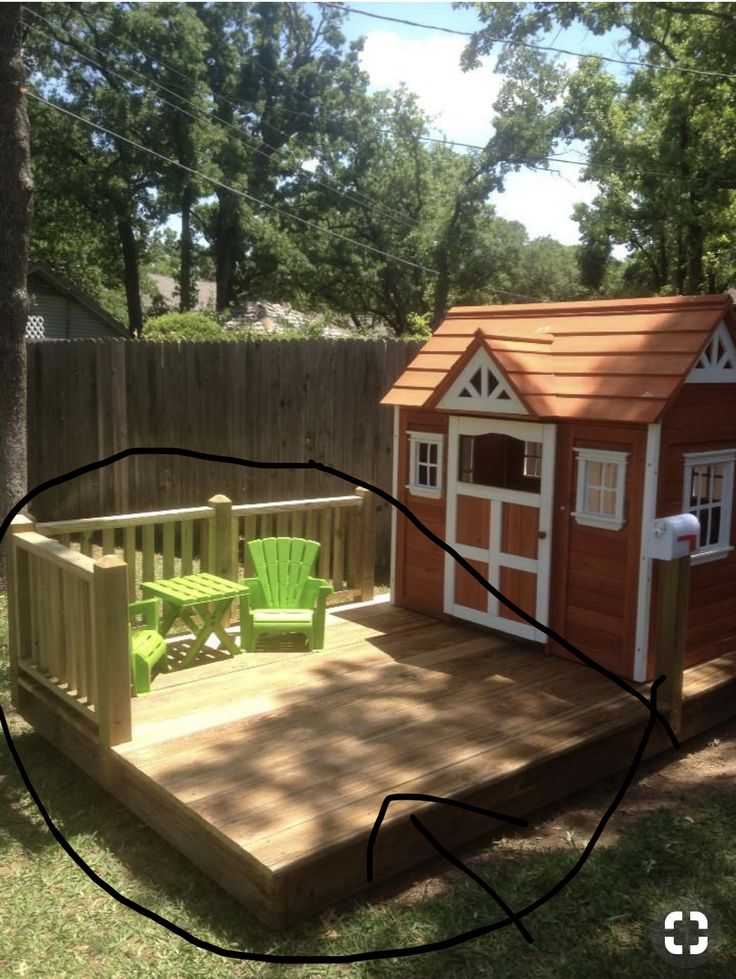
x=354 y=195
x=703 y=72
x=348 y=195
x=234 y=190
x=241 y=193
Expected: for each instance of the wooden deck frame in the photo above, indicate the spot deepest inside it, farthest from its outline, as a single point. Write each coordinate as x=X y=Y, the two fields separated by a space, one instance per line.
x=225 y=757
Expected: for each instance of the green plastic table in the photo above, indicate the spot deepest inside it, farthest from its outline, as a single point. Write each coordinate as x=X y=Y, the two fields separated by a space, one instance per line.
x=204 y=595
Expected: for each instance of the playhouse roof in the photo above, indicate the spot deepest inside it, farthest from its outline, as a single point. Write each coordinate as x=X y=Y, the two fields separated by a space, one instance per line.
x=613 y=360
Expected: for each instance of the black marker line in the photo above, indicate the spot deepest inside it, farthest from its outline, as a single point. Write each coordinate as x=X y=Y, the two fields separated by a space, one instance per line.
x=401 y=952
x=457 y=862
x=423 y=797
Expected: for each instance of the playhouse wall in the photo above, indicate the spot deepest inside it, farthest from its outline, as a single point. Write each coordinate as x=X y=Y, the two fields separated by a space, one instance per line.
x=697 y=410
x=595 y=571
x=420 y=564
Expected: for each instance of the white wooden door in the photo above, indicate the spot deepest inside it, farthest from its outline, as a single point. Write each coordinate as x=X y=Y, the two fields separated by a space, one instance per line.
x=504 y=533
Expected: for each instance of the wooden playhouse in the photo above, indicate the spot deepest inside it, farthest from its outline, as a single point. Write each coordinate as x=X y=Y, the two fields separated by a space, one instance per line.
x=542 y=442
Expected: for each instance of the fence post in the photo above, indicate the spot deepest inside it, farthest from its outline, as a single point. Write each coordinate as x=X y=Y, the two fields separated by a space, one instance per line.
x=220 y=538
x=112 y=650
x=17 y=595
x=367 y=565
x=672 y=599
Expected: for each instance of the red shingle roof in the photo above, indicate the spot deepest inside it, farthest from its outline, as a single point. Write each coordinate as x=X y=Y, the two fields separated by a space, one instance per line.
x=613 y=360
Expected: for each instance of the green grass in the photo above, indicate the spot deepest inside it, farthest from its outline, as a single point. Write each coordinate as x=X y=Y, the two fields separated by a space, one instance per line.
x=54 y=922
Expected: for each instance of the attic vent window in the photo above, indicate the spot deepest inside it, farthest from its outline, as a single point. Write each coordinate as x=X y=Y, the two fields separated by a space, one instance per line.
x=708 y=494
x=601 y=488
x=481 y=387
x=717 y=363
x=425 y=464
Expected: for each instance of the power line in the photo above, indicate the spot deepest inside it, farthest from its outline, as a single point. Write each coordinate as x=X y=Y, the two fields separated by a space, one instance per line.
x=704 y=72
x=357 y=197
x=241 y=193
x=234 y=190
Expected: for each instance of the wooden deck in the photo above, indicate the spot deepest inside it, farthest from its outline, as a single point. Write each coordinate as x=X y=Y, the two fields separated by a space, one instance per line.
x=268 y=770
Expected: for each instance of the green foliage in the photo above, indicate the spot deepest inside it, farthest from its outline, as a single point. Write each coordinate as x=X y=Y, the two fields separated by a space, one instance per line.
x=660 y=142
x=184 y=326
x=419 y=326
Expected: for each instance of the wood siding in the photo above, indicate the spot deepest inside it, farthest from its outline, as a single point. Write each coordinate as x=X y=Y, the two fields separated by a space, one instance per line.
x=595 y=574
x=702 y=419
x=420 y=564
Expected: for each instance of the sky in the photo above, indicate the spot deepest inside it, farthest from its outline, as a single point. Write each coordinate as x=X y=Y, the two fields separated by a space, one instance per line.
x=428 y=63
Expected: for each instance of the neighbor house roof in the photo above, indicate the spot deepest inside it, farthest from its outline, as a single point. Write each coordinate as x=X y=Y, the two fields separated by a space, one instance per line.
x=67 y=289
x=617 y=360
x=167 y=287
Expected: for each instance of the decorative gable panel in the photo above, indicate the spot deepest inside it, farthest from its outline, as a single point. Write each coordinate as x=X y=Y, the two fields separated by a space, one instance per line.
x=480 y=388
x=717 y=363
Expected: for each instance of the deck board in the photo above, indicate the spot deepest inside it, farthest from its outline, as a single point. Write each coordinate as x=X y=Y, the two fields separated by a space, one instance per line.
x=268 y=770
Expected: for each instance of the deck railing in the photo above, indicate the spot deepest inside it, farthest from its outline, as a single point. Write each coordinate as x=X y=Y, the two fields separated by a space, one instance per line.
x=64 y=608
x=70 y=582
x=164 y=543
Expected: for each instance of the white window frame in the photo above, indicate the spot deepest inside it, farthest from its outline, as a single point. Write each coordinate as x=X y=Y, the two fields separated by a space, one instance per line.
x=606 y=457
x=726 y=458
x=534 y=456
x=414 y=486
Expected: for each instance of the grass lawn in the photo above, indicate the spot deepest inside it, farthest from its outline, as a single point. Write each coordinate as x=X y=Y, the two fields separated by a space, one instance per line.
x=54 y=922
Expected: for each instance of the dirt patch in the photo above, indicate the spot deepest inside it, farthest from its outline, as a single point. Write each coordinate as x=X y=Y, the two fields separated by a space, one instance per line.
x=680 y=780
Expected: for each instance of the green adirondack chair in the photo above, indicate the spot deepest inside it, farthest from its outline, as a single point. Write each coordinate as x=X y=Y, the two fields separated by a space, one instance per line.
x=147 y=645
x=284 y=598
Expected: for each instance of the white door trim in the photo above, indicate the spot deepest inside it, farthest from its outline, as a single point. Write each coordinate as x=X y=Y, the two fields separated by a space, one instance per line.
x=395 y=494
x=526 y=431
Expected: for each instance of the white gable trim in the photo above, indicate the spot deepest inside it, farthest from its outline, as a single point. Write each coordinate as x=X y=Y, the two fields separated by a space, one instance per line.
x=717 y=363
x=481 y=387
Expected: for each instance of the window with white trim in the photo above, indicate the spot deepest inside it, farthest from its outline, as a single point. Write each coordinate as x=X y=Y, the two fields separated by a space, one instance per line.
x=708 y=494
x=601 y=488
x=533 y=459
x=425 y=463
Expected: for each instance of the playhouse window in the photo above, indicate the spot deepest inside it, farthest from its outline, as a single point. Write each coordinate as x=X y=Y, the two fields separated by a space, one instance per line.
x=708 y=493
x=500 y=460
x=600 y=488
x=425 y=464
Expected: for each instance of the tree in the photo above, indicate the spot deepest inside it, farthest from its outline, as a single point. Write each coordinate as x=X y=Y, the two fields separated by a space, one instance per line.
x=15 y=207
x=658 y=136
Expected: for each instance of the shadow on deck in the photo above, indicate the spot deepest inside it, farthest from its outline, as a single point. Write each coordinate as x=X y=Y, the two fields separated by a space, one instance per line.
x=268 y=770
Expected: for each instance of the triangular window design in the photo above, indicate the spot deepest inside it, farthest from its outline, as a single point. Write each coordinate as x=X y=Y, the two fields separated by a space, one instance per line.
x=481 y=387
x=717 y=363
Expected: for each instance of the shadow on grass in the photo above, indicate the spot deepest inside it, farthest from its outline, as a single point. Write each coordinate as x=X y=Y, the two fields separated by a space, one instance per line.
x=598 y=925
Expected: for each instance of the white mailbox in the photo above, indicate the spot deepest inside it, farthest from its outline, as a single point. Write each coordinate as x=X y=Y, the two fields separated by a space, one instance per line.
x=674 y=537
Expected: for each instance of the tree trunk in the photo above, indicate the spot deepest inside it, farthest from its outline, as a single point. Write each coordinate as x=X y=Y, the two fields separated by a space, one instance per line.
x=226 y=237
x=187 y=296
x=441 y=290
x=15 y=207
x=131 y=275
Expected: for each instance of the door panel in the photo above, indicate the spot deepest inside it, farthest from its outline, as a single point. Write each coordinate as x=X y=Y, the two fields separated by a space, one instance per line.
x=468 y=592
x=521 y=588
x=520 y=530
x=473 y=521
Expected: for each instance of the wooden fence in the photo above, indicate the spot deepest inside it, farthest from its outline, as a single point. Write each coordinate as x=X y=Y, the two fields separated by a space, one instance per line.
x=265 y=400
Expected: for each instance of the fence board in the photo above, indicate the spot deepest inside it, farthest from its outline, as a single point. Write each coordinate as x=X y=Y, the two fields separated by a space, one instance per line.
x=267 y=400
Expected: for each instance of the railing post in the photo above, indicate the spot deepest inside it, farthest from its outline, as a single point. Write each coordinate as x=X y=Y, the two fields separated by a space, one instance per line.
x=112 y=650
x=672 y=600
x=18 y=593
x=220 y=538
x=367 y=543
